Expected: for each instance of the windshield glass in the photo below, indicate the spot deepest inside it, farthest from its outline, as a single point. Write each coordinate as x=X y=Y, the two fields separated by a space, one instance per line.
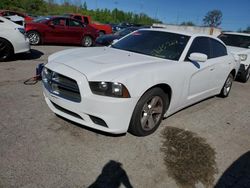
x=236 y=40
x=154 y=43
x=41 y=19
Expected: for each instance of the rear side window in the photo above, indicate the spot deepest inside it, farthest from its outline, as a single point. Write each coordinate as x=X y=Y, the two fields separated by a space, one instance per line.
x=59 y=21
x=200 y=45
x=74 y=23
x=78 y=18
x=218 y=49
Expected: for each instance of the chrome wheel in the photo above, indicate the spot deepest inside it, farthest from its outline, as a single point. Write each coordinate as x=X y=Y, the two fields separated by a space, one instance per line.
x=151 y=113
x=248 y=73
x=87 y=41
x=34 y=37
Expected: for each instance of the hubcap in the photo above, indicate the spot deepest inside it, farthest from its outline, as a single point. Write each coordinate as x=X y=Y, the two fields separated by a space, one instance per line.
x=228 y=85
x=34 y=38
x=248 y=73
x=88 y=41
x=151 y=113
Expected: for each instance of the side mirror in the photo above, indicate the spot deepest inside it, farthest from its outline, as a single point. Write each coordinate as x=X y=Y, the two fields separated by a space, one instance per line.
x=199 y=57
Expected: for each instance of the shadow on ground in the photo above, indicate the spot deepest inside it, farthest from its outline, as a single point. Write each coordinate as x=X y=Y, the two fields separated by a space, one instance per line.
x=237 y=175
x=33 y=54
x=188 y=158
x=112 y=176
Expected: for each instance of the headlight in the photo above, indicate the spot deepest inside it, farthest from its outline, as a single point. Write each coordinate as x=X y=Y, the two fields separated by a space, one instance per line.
x=243 y=57
x=22 y=30
x=46 y=75
x=111 y=89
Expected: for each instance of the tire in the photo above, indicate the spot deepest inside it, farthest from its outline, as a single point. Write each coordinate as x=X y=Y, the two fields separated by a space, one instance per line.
x=87 y=41
x=227 y=86
x=148 y=112
x=245 y=76
x=101 y=33
x=34 y=37
x=6 y=50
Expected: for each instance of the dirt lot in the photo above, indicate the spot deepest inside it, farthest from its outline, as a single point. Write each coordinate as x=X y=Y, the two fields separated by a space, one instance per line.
x=193 y=148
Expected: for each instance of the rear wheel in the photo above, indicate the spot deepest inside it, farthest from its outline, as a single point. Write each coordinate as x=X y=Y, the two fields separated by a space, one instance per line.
x=245 y=76
x=227 y=86
x=34 y=37
x=148 y=112
x=6 y=50
x=87 y=41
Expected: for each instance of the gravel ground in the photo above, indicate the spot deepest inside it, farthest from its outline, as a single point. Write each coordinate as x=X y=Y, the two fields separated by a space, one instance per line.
x=193 y=148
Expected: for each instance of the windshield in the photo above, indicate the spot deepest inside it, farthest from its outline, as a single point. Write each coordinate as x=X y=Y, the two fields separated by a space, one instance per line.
x=154 y=43
x=42 y=19
x=236 y=40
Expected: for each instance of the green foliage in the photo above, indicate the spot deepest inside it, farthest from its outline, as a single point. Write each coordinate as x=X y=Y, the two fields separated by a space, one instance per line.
x=189 y=23
x=213 y=18
x=49 y=7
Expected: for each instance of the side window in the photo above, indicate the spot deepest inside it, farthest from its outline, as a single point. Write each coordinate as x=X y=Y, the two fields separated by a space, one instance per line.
x=199 y=45
x=86 y=20
x=218 y=49
x=74 y=23
x=59 y=22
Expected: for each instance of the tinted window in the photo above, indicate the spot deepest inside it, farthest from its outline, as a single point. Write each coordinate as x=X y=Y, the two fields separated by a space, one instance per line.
x=200 y=45
x=78 y=17
x=74 y=23
x=218 y=49
x=236 y=40
x=154 y=43
x=59 y=21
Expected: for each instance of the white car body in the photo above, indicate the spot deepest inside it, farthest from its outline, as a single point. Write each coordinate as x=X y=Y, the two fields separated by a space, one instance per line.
x=241 y=52
x=189 y=83
x=9 y=31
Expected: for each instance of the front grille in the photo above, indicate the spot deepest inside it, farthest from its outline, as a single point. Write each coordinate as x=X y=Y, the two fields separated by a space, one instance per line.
x=66 y=111
x=61 y=85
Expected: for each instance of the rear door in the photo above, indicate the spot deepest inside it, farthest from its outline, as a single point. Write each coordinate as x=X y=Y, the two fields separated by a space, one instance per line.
x=75 y=31
x=56 y=31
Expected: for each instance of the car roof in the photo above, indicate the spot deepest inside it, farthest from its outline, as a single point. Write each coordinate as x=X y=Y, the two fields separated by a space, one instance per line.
x=237 y=33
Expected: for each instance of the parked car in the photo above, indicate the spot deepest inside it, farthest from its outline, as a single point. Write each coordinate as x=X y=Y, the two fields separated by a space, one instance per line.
x=132 y=84
x=103 y=28
x=8 y=13
x=239 y=44
x=61 y=30
x=12 y=39
x=106 y=40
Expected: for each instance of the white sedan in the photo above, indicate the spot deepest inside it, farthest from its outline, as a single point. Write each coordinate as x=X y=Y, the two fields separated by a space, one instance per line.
x=12 y=39
x=134 y=83
x=239 y=44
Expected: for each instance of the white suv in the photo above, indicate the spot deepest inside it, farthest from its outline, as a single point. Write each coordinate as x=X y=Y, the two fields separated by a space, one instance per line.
x=12 y=39
x=239 y=44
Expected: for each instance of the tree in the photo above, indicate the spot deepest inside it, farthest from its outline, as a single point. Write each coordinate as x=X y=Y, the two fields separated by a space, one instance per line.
x=213 y=18
x=189 y=23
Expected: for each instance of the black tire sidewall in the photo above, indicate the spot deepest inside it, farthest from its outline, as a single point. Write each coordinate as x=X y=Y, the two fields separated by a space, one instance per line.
x=9 y=51
x=135 y=126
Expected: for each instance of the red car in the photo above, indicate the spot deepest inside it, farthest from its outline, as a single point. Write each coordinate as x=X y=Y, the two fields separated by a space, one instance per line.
x=13 y=13
x=60 y=30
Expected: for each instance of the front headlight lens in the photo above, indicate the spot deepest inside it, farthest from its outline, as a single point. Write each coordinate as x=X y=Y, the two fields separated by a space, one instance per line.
x=111 y=89
x=46 y=75
x=243 y=57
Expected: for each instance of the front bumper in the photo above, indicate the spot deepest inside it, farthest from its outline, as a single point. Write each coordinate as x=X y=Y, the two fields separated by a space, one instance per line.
x=22 y=45
x=115 y=112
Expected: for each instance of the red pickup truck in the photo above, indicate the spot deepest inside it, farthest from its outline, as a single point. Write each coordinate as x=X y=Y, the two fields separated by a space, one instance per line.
x=103 y=28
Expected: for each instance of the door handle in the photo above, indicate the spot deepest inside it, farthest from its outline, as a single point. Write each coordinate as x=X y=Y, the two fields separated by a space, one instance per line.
x=211 y=69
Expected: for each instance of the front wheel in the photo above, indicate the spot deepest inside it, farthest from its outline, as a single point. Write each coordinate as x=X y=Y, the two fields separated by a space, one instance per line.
x=87 y=41
x=6 y=50
x=148 y=112
x=227 y=86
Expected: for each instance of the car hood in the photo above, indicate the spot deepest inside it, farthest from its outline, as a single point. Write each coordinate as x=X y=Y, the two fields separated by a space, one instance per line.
x=99 y=63
x=238 y=50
